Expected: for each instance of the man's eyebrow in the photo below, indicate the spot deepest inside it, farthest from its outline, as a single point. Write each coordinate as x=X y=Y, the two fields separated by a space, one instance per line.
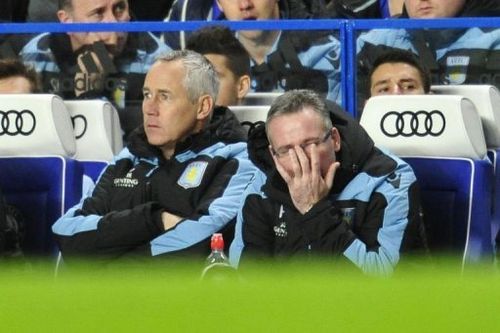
x=409 y=79
x=96 y=10
x=380 y=82
x=161 y=91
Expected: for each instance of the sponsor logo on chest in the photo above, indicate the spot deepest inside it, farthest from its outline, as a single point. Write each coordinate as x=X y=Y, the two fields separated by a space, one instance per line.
x=126 y=181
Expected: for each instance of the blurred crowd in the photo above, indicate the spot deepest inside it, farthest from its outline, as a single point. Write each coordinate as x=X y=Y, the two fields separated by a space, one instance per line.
x=113 y=65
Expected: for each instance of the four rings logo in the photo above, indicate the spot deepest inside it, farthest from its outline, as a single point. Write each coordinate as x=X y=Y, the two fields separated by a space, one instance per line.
x=409 y=123
x=14 y=122
x=79 y=125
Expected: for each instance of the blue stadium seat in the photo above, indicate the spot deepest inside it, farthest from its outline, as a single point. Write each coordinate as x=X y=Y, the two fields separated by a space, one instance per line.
x=442 y=138
x=38 y=174
x=42 y=188
x=486 y=98
x=456 y=201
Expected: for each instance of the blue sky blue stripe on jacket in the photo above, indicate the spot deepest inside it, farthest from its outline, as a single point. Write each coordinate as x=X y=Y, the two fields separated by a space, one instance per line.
x=391 y=234
x=221 y=211
x=69 y=227
x=237 y=244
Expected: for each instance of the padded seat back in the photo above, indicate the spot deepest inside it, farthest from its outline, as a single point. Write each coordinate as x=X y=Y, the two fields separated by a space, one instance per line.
x=441 y=137
x=35 y=124
x=97 y=129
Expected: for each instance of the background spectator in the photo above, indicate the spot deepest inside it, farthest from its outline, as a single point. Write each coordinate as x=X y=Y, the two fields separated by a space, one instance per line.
x=285 y=60
x=453 y=56
x=399 y=72
x=229 y=58
x=16 y=77
x=189 y=10
x=96 y=64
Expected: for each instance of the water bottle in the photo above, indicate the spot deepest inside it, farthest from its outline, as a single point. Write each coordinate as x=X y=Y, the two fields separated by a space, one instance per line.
x=217 y=262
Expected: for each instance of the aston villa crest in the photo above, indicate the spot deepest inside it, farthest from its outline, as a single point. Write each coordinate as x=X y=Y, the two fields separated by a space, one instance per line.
x=192 y=175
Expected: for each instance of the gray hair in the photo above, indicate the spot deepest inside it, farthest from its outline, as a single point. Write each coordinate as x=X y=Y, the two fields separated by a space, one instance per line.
x=200 y=79
x=294 y=101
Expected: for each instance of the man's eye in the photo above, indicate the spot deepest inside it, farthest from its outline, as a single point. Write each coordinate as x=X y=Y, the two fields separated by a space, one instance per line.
x=120 y=9
x=309 y=144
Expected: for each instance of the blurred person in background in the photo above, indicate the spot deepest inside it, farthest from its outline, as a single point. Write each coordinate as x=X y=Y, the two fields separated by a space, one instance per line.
x=95 y=64
x=229 y=58
x=18 y=78
x=399 y=72
x=286 y=60
x=452 y=56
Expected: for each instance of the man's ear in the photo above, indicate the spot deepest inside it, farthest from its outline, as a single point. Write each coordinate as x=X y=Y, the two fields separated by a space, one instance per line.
x=206 y=105
x=336 y=139
x=64 y=16
x=243 y=86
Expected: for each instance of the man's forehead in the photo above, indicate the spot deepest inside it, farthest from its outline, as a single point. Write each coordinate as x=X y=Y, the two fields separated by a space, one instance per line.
x=95 y=3
x=388 y=70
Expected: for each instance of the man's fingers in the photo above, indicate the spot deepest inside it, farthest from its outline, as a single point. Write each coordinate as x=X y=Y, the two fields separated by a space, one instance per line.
x=296 y=167
x=330 y=175
x=286 y=177
x=89 y=62
x=315 y=165
x=303 y=160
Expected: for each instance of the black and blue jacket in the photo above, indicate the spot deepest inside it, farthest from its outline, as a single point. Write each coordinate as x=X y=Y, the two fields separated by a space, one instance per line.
x=370 y=217
x=203 y=183
x=452 y=56
x=55 y=61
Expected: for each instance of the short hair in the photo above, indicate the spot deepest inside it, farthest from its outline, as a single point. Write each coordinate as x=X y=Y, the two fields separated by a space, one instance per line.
x=15 y=67
x=64 y=4
x=294 y=101
x=200 y=77
x=407 y=57
x=220 y=40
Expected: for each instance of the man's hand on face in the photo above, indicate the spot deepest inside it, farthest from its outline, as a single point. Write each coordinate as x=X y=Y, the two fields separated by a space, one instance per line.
x=305 y=182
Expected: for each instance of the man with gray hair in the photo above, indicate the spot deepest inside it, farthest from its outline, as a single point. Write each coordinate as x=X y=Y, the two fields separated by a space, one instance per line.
x=325 y=190
x=179 y=180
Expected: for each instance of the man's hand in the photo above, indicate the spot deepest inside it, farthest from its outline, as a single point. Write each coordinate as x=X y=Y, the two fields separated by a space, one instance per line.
x=94 y=65
x=305 y=182
x=169 y=220
x=90 y=75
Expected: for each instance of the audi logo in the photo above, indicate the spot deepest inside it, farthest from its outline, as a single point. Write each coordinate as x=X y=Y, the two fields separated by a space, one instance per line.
x=79 y=125
x=409 y=123
x=15 y=122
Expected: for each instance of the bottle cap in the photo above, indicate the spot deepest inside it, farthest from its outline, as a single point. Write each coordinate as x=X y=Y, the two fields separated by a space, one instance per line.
x=217 y=242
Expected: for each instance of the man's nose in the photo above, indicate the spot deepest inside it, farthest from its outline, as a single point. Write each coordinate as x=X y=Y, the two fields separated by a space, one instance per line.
x=149 y=106
x=110 y=38
x=396 y=89
x=245 y=4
